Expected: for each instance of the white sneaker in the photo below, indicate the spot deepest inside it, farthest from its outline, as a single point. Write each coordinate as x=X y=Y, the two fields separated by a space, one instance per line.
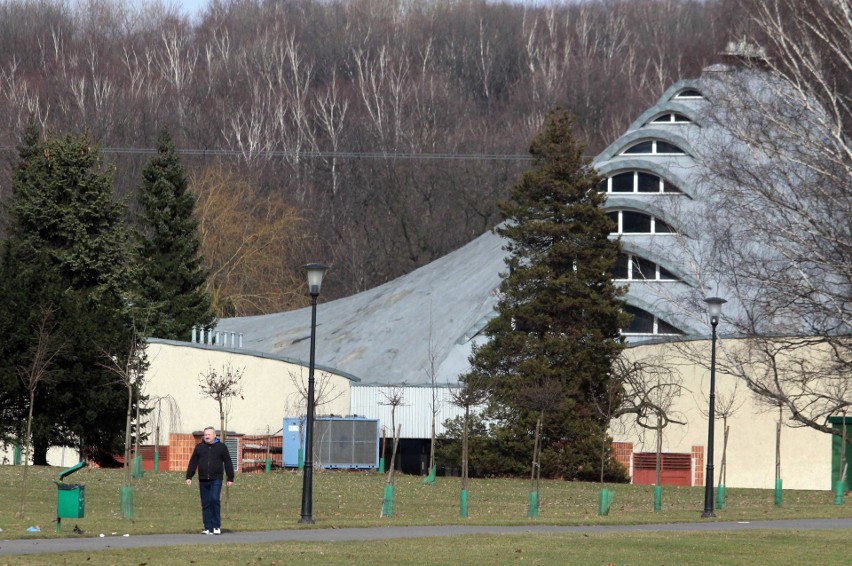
x=217 y=531
x=206 y=532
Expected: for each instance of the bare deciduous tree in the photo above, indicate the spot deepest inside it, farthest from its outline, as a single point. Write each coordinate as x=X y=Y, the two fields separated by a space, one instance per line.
x=541 y=397
x=130 y=371
x=472 y=393
x=781 y=170
x=325 y=393
x=222 y=386
x=394 y=397
x=643 y=390
x=44 y=351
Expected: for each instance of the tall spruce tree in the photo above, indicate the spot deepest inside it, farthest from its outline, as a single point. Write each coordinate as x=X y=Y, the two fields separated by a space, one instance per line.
x=172 y=279
x=557 y=331
x=68 y=249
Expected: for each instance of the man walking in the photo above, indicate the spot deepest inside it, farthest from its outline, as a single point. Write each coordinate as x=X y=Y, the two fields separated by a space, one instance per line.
x=210 y=458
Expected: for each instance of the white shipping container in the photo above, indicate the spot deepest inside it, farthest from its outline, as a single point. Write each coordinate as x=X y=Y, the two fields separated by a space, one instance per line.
x=414 y=413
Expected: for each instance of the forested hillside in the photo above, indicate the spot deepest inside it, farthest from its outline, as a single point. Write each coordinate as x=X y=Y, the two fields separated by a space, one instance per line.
x=373 y=135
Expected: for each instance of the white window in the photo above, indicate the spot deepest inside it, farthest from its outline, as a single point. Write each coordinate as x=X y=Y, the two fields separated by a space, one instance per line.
x=632 y=267
x=653 y=147
x=689 y=94
x=637 y=182
x=671 y=118
x=634 y=222
x=645 y=323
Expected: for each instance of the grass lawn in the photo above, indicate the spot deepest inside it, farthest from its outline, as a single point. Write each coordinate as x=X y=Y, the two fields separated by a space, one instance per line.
x=825 y=548
x=164 y=504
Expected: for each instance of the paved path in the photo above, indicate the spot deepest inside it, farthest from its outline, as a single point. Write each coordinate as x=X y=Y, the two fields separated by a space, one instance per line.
x=88 y=544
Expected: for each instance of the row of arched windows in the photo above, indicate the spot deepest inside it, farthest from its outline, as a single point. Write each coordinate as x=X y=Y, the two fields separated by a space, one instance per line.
x=646 y=323
x=635 y=222
x=638 y=182
x=633 y=267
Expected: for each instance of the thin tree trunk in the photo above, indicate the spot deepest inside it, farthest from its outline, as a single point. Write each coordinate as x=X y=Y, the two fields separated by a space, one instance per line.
x=138 y=428
x=127 y=444
x=432 y=448
x=841 y=472
x=723 y=472
x=393 y=439
x=222 y=434
x=22 y=510
x=464 y=448
x=384 y=439
x=396 y=435
x=535 y=463
x=778 y=450
x=659 y=451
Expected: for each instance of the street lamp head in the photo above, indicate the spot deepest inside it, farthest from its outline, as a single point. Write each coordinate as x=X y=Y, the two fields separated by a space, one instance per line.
x=714 y=308
x=315 y=273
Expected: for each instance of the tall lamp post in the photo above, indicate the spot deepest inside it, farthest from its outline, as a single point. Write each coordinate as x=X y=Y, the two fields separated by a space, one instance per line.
x=714 y=309
x=315 y=273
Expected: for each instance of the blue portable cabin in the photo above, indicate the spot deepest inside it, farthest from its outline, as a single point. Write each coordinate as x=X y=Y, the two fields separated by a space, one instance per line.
x=339 y=442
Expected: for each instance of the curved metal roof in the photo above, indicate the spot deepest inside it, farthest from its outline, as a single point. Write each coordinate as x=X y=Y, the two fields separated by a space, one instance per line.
x=395 y=333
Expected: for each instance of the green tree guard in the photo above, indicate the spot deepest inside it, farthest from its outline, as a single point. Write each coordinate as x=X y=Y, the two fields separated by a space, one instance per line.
x=268 y=467
x=387 y=503
x=381 y=465
x=532 y=513
x=463 y=504
x=156 y=460
x=136 y=467
x=16 y=454
x=126 y=492
x=605 y=498
x=658 y=497
x=720 y=497
x=430 y=479
x=838 y=492
x=779 y=497
x=301 y=458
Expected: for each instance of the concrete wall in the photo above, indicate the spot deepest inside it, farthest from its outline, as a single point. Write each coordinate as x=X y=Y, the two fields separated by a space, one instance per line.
x=805 y=452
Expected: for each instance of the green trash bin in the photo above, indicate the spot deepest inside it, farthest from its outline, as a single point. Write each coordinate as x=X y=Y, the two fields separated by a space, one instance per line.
x=71 y=497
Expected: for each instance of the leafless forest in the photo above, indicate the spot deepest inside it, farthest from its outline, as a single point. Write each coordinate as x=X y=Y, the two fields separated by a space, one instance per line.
x=375 y=135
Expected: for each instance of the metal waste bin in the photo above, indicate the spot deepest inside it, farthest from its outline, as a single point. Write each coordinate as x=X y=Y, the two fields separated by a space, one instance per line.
x=71 y=497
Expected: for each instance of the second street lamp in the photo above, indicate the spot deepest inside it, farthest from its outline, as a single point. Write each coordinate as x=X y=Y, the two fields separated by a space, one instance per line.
x=315 y=273
x=714 y=309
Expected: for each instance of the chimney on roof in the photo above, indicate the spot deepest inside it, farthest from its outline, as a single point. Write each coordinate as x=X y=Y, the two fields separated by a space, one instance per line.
x=743 y=53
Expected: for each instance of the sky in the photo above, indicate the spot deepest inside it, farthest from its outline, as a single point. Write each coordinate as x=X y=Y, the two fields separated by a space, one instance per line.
x=191 y=7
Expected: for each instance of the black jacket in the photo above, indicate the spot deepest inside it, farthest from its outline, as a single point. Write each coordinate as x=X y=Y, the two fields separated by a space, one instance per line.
x=209 y=460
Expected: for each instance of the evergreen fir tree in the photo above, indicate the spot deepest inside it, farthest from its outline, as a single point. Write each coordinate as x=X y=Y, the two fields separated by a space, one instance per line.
x=559 y=317
x=68 y=248
x=172 y=279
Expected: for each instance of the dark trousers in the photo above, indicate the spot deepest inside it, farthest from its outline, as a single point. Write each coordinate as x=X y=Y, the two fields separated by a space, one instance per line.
x=211 y=504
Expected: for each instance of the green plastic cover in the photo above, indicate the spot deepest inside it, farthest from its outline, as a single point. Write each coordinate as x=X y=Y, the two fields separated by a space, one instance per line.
x=71 y=470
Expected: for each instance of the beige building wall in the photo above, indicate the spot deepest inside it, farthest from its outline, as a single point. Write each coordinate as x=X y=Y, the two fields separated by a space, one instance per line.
x=271 y=390
x=805 y=452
